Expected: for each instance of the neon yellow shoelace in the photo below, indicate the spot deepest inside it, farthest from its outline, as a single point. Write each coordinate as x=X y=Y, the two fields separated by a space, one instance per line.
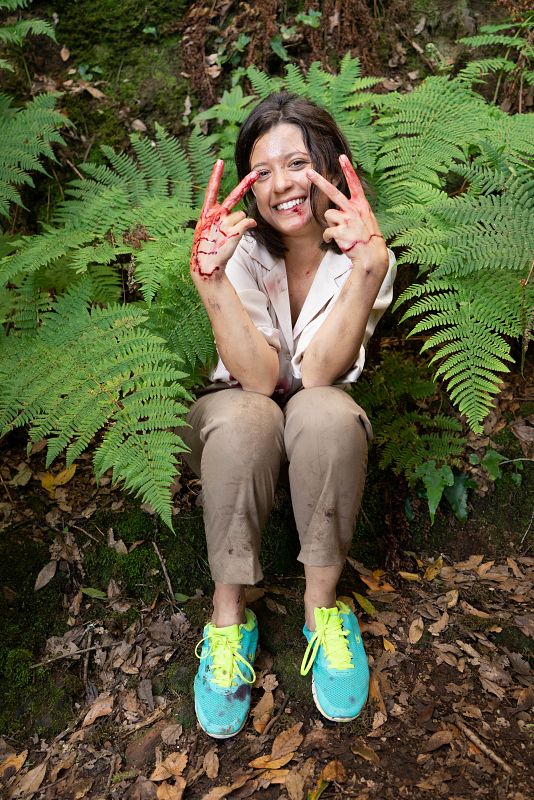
x=227 y=660
x=330 y=635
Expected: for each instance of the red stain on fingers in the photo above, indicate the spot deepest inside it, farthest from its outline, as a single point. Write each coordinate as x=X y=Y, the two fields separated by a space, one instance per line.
x=209 y=236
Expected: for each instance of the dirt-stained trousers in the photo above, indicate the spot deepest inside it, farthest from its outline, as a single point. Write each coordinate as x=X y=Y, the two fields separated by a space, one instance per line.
x=240 y=440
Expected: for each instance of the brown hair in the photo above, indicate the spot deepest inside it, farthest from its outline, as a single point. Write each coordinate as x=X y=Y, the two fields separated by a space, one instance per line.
x=324 y=142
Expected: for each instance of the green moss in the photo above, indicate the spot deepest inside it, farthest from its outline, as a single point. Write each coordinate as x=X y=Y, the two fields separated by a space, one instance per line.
x=110 y=31
x=45 y=707
x=16 y=668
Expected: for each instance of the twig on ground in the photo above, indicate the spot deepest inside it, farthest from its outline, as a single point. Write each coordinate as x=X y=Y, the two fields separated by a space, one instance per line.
x=115 y=760
x=166 y=574
x=75 y=653
x=275 y=718
x=90 y=535
x=471 y=735
x=4 y=484
x=528 y=528
x=86 y=659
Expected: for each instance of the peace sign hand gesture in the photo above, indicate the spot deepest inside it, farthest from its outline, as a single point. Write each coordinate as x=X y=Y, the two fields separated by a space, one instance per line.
x=218 y=231
x=353 y=225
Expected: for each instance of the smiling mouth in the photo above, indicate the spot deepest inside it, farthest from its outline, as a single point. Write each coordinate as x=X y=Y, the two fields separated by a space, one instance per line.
x=290 y=204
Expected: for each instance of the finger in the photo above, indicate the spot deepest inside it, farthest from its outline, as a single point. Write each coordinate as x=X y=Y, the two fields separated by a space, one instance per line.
x=244 y=226
x=210 y=198
x=336 y=217
x=229 y=220
x=353 y=182
x=327 y=188
x=329 y=234
x=240 y=191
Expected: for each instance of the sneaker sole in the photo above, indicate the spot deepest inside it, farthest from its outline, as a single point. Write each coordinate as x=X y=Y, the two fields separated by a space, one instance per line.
x=327 y=716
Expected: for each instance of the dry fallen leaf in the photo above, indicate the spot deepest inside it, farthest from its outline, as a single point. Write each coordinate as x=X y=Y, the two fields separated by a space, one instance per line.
x=30 y=783
x=438 y=739
x=416 y=630
x=437 y=627
x=288 y=741
x=102 y=706
x=219 y=792
x=167 y=792
x=410 y=576
x=374 y=628
x=433 y=569
x=50 y=482
x=12 y=764
x=64 y=53
x=294 y=784
x=389 y=646
x=65 y=763
x=452 y=598
x=359 y=748
x=45 y=575
x=334 y=771
x=211 y=763
x=268 y=762
x=262 y=712
x=375 y=694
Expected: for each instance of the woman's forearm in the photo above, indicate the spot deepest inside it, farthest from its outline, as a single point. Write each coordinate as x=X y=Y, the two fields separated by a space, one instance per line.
x=335 y=346
x=246 y=354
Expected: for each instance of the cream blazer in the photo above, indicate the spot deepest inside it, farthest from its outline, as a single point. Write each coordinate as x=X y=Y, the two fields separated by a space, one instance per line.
x=260 y=281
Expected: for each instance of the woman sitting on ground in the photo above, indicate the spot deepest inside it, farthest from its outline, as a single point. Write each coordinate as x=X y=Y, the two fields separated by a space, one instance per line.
x=294 y=290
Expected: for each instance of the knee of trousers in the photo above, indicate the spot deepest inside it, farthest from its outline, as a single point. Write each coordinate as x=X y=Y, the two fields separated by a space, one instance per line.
x=247 y=432
x=332 y=424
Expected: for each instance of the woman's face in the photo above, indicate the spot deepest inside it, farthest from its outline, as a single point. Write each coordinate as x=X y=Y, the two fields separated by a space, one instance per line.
x=283 y=191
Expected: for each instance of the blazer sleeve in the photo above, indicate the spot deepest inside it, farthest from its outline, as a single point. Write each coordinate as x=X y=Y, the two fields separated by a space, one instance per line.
x=243 y=273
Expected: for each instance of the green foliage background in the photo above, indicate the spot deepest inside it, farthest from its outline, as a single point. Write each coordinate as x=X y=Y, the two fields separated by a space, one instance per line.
x=104 y=336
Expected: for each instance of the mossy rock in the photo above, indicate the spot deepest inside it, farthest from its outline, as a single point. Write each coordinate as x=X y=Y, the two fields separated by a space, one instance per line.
x=117 y=28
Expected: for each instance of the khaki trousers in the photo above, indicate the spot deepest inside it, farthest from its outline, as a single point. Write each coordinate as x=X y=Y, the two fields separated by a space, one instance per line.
x=239 y=441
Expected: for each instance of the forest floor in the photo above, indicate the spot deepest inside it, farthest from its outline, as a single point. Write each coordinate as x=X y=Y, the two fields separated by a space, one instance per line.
x=102 y=608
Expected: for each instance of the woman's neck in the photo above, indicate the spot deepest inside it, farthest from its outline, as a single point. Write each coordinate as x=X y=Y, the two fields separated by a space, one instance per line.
x=301 y=255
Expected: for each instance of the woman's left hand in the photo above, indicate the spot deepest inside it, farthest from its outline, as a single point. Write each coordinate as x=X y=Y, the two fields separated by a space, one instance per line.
x=353 y=225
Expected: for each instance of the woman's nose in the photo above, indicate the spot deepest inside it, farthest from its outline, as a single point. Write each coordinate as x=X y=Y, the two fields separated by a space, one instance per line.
x=281 y=180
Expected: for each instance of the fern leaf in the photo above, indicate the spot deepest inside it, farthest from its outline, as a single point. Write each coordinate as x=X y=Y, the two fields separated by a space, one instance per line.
x=96 y=353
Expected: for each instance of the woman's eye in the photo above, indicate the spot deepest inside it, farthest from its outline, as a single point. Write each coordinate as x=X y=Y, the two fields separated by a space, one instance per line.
x=262 y=173
x=299 y=162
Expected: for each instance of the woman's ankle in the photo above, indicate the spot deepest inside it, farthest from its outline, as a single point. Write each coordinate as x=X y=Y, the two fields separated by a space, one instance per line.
x=228 y=605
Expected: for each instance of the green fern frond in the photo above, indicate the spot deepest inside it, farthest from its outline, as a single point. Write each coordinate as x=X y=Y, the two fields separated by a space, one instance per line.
x=476 y=70
x=26 y=135
x=189 y=335
x=16 y=33
x=110 y=373
x=294 y=80
x=262 y=84
x=492 y=39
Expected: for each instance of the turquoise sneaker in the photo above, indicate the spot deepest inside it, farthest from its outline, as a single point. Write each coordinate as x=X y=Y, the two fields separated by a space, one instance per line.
x=225 y=675
x=340 y=681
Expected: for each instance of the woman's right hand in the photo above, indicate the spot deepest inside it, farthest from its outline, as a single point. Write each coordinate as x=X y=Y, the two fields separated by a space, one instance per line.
x=218 y=231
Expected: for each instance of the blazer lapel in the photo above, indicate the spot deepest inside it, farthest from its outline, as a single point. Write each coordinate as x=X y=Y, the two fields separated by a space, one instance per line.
x=275 y=283
x=325 y=285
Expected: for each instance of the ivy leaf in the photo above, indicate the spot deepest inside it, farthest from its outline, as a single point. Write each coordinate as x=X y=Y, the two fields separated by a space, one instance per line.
x=456 y=496
x=491 y=462
x=435 y=480
x=278 y=48
x=96 y=593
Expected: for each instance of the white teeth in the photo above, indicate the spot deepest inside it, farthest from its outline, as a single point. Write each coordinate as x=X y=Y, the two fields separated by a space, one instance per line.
x=290 y=204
